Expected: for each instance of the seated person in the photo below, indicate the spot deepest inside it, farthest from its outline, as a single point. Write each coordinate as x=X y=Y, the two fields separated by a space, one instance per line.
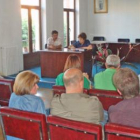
x=74 y=104
x=73 y=61
x=127 y=111
x=82 y=43
x=104 y=80
x=54 y=42
x=25 y=88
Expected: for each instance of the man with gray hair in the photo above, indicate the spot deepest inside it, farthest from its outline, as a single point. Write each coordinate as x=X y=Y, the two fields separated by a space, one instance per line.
x=74 y=104
x=104 y=80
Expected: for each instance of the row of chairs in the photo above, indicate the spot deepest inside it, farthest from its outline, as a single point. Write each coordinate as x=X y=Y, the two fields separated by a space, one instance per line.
x=101 y=38
x=106 y=97
x=60 y=128
x=34 y=126
x=126 y=40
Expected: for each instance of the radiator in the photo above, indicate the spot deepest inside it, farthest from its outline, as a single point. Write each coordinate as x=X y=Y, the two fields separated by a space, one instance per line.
x=11 y=60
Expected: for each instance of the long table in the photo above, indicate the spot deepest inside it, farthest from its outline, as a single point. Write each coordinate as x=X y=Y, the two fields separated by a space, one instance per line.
x=134 y=55
x=53 y=61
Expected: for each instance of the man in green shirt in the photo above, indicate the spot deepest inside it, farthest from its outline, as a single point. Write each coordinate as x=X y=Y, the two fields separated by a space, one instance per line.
x=104 y=80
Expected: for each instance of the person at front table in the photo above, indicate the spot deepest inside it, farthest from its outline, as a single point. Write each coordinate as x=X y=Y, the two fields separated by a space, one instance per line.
x=83 y=42
x=54 y=42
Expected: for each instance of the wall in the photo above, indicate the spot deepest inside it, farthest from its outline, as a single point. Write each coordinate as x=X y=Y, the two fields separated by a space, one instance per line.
x=11 y=58
x=81 y=16
x=52 y=16
x=121 y=21
x=43 y=22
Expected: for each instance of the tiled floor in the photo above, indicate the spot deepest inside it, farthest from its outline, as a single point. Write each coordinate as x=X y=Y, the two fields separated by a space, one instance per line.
x=46 y=95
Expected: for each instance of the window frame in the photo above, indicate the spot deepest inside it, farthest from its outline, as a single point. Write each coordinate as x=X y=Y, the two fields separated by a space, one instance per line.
x=29 y=8
x=67 y=10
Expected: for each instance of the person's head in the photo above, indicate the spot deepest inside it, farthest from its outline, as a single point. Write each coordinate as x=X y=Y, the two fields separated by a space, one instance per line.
x=112 y=61
x=54 y=34
x=73 y=61
x=82 y=37
x=26 y=83
x=73 y=80
x=126 y=82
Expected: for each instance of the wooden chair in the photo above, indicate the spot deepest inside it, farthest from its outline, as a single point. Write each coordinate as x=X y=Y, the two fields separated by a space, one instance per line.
x=126 y=40
x=106 y=97
x=23 y=124
x=64 y=129
x=5 y=93
x=46 y=46
x=61 y=89
x=98 y=38
x=10 y=81
x=120 y=132
x=72 y=42
x=137 y=40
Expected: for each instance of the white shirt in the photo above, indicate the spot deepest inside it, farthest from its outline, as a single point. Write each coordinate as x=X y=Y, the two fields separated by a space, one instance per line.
x=57 y=42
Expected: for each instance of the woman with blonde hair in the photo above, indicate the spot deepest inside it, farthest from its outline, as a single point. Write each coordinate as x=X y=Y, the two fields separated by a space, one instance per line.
x=73 y=61
x=25 y=88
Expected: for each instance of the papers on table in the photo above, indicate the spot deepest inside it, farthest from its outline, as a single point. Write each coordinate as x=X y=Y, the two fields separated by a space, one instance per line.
x=79 y=49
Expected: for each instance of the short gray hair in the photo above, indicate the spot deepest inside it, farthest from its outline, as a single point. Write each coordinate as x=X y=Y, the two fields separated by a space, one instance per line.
x=113 y=61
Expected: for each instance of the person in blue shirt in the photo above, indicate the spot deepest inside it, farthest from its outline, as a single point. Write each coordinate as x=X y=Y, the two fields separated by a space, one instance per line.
x=25 y=88
x=83 y=42
x=23 y=97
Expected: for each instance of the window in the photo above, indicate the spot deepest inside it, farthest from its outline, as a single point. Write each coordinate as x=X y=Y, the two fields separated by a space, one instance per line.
x=31 y=29
x=69 y=21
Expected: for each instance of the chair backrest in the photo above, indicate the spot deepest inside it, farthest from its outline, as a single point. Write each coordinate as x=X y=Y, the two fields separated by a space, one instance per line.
x=64 y=129
x=5 y=93
x=120 y=132
x=23 y=124
x=46 y=46
x=126 y=40
x=10 y=81
x=137 y=40
x=98 y=38
x=106 y=97
x=72 y=41
x=61 y=89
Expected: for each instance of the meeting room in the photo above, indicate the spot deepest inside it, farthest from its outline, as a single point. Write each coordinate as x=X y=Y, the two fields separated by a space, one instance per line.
x=69 y=69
